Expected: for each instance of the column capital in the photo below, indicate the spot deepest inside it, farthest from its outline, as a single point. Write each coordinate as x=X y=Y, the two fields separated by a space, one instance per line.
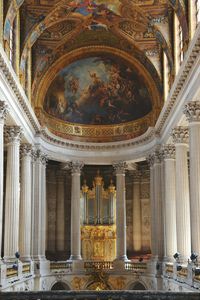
x=168 y=151
x=40 y=156
x=3 y=110
x=75 y=166
x=26 y=150
x=120 y=167
x=155 y=157
x=180 y=135
x=192 y=111
x=13 y=133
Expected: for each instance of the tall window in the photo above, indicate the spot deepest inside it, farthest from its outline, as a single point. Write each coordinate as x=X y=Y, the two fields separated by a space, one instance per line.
x=181 y=43
x=198 y=11
x=11 y=44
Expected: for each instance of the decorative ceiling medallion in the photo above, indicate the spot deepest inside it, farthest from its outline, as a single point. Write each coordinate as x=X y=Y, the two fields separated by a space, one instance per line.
x=100 y=96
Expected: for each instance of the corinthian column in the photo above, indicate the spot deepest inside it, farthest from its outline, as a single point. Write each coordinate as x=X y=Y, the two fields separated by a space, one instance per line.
x=25 y=202
x=180 y=138
x=3 y=113
x=170 y=201
x=137 y=226
x=39 y=206
x=157 y=226
x=120 y=210
x=13 y=134
x=192 y=111
x=76 y=167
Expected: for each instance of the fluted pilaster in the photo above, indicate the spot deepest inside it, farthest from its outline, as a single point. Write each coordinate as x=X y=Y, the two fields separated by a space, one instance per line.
x=25 y=202
x=75 y=167
x=13 y=135
x=170 y=201
x=180 y=138
x=137 y=226
x=192 y=112
x=3 y=114
x=120 y=210
x=60 y=212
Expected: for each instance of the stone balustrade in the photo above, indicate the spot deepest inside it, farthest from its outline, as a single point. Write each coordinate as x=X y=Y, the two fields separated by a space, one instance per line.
x=117 y=295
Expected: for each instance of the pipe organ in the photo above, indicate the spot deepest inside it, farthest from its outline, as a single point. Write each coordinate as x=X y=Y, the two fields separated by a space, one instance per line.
x=98 y=217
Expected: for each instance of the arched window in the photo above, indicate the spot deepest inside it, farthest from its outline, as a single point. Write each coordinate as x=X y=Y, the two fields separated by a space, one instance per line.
x=180 y=44
x=198 y=11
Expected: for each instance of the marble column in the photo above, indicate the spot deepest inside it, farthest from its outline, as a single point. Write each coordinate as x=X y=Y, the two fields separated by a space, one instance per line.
x=11 y=240
x=3 y=113
x=157 y=226
x=170 y=202
x=39 y=207
x=150 y=160
x=25 y=203
x=192 y=111
x=120 y=211
x=76 y=167
x=60 y=212
x=180 y=139
x=137 y=228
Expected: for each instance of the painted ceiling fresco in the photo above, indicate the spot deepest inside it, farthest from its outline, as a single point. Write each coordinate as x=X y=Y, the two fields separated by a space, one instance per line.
x=98 y=90
x=52 y=30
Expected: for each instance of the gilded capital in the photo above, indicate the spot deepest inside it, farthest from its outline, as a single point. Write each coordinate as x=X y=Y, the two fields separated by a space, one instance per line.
x=192 y=111
x=168 y=151
x=13 y=133
x=180 y=134
x=120 y=167
x=3 y=110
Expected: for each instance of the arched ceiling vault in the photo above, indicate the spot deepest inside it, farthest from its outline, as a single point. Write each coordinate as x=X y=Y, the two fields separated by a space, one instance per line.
x=136 y=32
x=58 y=10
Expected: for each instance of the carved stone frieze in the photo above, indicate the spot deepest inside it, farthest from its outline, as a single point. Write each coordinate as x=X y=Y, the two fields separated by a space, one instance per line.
x=13 y=134
x=3 y=110
x=180 y=134
x=168 y=151
x=192 y=111
x=120 y=167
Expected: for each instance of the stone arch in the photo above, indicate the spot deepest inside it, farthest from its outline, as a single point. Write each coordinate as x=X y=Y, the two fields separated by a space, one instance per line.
x=60 y=285
x=137 y=285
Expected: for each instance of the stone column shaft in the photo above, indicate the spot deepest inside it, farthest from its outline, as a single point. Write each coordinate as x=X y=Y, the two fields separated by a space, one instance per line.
x=120 y=211
x=180 y=137
x=3 y=113
x=137 y=228
x=170 y=202
x=25 y=202
x=157 y=226
x=12 y=193
x=192 y=111
x=75 y=211
x=39 y=207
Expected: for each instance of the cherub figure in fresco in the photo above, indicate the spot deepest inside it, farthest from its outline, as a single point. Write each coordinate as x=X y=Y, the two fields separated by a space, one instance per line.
x=74 y=84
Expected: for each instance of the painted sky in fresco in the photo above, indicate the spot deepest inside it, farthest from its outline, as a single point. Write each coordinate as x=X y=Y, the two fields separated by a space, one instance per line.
x=98 y=90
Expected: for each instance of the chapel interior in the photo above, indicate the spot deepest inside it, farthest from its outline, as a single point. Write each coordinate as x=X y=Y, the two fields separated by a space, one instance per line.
x=99 y=148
